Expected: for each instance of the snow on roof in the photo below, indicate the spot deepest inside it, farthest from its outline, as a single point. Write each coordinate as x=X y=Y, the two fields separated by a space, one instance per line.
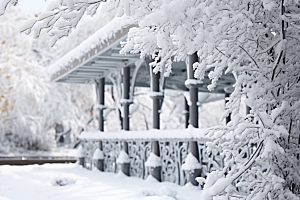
x=177 y=134
x=91 y=46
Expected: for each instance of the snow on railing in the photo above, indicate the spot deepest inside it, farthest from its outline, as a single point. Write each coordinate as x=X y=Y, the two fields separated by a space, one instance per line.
x=178 y=134
x=173 y=147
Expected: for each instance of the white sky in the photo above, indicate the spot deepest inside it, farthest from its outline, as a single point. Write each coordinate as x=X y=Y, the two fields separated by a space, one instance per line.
x=32 y=5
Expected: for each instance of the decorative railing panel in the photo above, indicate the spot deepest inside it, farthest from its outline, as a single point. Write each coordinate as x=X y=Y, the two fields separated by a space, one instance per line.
x=173 y=152
x=111 y=150
x=89 y=147
x=139 y=151
x=209 y=161
x=173 y=155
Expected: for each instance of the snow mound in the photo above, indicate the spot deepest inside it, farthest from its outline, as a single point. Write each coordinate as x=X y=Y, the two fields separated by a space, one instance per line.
x=153 y=161
x=191 y=163
x=167 y=191
x=80 y=152
x=151 y=179
x=145 y=192
x=190 y=186
x=121 y=174
x=62 y=181
x=123 y=158
x=164 y=192
x=98 y=155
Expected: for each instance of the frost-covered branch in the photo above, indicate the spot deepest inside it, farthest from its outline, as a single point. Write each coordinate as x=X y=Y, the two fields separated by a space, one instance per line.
x=60 y=18
x=5 y=3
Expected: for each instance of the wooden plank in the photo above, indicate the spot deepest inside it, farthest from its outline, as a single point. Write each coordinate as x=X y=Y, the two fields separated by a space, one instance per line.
x=31 y=161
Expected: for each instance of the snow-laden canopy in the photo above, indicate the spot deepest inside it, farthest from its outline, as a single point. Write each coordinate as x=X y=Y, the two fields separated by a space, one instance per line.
x=107 y=38
x=99 y=56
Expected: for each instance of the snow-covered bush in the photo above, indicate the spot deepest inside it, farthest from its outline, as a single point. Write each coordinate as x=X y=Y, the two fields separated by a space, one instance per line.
x=63 y=181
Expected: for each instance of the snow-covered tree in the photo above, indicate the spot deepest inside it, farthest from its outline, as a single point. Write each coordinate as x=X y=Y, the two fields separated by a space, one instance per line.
x=258 y=41
x=25 y=91
x=30 y=104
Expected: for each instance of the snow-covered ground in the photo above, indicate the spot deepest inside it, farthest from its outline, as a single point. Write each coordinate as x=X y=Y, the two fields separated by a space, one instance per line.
x=72 y=182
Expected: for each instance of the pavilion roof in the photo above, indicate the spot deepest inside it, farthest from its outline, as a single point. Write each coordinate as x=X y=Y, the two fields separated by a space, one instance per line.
x=98 y=56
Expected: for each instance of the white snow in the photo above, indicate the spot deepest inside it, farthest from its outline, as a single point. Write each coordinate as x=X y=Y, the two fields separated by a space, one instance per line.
x=156 y=94
x=97 y=39
x=98 y=155
x=277 y=111
x=166 y=191
x=62 y=181
x=151 y=179
x=191 y=163
x=126 y=101
x=35 y=182
x=184 y=134
x=99 y=106
x=271 y=148
x=123 y=158
x=80 y=152
x=189 y=82
x=133 y=108
x=153 y=161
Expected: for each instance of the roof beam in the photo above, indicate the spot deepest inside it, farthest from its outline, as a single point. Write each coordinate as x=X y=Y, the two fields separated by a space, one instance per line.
x=118 y=57
x=116 y=48
x=84 y=75
x=95 y=66
x=107 y=62
x=96 y=70
x=76 y=78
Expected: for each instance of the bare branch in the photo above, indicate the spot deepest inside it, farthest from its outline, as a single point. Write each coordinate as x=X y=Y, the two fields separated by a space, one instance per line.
x=249 y=56
x=269 y=47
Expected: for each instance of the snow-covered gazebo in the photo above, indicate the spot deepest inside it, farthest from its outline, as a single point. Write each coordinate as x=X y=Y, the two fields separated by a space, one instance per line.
x=97 y=61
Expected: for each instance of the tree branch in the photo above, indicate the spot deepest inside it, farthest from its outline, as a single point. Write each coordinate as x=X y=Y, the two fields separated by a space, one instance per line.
x=271 y=46
x=276 y=64
x=249 y=56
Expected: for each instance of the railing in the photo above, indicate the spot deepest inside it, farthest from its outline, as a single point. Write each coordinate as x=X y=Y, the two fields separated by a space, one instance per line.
x=174 y=148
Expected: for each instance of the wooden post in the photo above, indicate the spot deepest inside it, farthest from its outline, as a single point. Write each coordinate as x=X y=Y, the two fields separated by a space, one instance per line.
x=125 y=167
x=186 y=113
x=156 y=171
x=100 y=89
x=193 y=115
